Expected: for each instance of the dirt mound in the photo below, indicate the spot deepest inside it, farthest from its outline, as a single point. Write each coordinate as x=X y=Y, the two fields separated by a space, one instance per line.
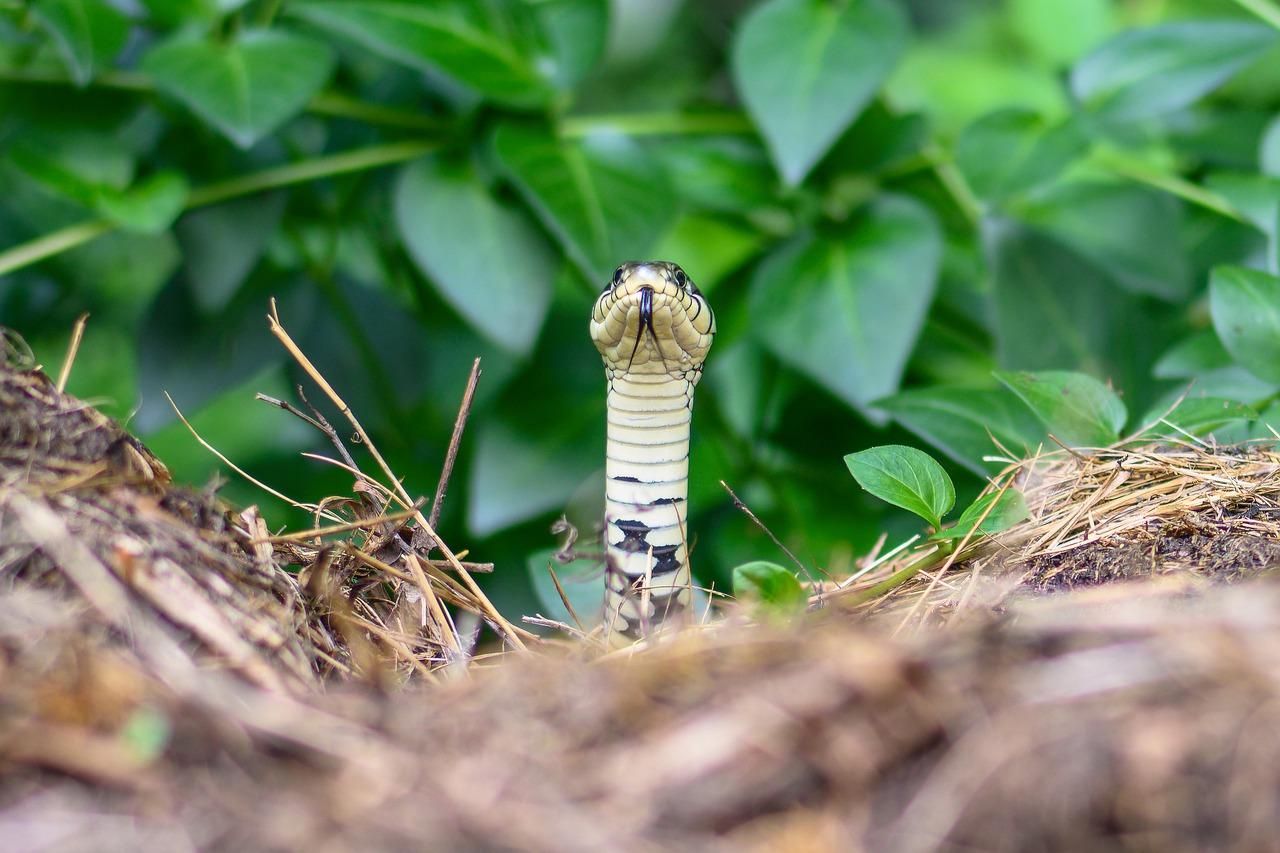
x=90 y=513
x=1185 y=513
x=166 y=685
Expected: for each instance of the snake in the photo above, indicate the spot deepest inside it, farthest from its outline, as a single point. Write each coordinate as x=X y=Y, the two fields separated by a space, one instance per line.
x=653 y=328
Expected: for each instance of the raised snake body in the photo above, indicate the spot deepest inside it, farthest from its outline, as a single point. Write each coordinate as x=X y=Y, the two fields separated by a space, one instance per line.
x=653 y=329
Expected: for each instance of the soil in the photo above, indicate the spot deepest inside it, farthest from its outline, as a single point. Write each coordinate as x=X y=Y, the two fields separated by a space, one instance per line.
x=1187 y=549
x=166 y=685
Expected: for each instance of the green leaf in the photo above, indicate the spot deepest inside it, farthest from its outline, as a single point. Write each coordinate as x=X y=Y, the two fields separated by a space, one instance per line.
x=245 y=433
x=149 y=206
x=740 y=378
x=245 y=88
x=1127 y=230
x=966 y=423
x=1195 y=415
x=1203 y=358
x=1267 y=426
x=118 y=275
x=582 y=582
x=1258 y=198
x=487 y=260
x=1193 y=356
x=1076 y=408
x=1245 y=305
x=805 y=70
x=954 y=81
x=770 y=585
x=448 y=37
x=723 y=173
x=1012 y=151
x=905 y=477
x=1055 y=310
x=1269 y=152
x=190 y=13
x=1213 y=137
x=517 y=475
x=1010 y=507
x=603 y=198
x=1058 y=31
x=1148 y=72
x=576 y=31
x=87 y=33
x=709 y=247
x=106 y=366
x=880 y=141
x=222 y=244
x=56 y=175
x=847 y=310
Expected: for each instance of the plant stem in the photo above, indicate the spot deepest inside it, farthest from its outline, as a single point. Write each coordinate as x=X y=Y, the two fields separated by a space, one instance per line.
x=1135 y=170
x=128 y=81
x=359 y=160
x=338 y=105
x=656 y=124
x=333 y=104
x=53 y=243
x=1263 y=10
x=954 y=183
x=904 y=574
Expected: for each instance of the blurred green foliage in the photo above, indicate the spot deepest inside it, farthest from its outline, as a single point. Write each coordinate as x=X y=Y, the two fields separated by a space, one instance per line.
x=887 y=202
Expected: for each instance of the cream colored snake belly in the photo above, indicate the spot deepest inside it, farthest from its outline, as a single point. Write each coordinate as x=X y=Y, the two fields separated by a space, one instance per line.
x=653 y=329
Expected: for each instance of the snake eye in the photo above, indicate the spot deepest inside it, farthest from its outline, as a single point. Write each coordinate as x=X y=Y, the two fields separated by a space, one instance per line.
x=613 y=282
x=681 y=278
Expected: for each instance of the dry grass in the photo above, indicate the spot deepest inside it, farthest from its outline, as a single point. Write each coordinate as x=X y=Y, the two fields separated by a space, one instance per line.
x=1100 y=676
x=1180 y=513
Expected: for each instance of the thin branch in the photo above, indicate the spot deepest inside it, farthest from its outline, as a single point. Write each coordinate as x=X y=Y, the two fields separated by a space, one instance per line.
x=737 y=502
x=261 y=485
x=317 y=420
x=303 y=535
x=564 y=599
x=352 y=470
x=455 y=440
x=512 y=633
x=77 y=334
x=446 y=627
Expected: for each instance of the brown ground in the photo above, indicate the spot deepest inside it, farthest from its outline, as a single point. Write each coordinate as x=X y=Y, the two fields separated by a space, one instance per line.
x=164 y=685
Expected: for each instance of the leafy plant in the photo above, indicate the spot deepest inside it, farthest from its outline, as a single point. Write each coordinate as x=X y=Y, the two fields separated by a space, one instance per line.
x=1081 y=410
x=769 y=585
x=964 y=227
x=905 y=477
x=913 y=480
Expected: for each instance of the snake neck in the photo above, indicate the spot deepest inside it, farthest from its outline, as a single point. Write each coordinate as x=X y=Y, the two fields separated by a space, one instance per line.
x=646 y=501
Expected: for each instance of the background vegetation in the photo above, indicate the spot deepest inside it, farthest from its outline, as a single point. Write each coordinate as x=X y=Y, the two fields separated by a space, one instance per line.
x=885 y=201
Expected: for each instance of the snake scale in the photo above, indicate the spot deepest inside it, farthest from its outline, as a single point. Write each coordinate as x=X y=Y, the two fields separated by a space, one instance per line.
x=653 y=329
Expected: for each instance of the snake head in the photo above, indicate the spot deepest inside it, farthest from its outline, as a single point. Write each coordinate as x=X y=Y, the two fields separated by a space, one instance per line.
x=651 y=318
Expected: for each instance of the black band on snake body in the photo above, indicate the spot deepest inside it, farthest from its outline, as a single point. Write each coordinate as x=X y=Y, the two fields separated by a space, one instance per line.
x=653 y=329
